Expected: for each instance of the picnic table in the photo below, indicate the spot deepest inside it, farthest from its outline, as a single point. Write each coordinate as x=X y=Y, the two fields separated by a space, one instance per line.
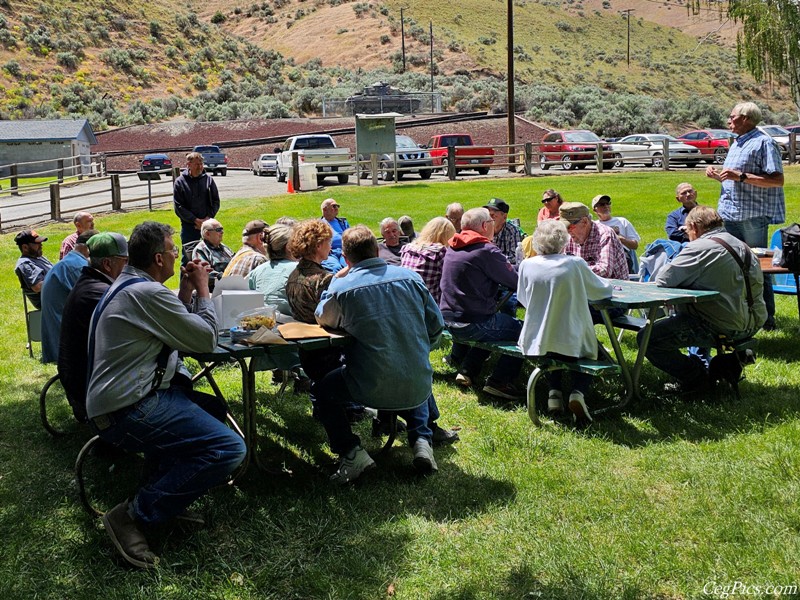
x=646 y=297
x=769 y=269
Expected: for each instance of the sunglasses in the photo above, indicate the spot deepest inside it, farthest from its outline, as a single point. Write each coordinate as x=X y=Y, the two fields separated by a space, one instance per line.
x=549 y=198
x=217 y=229
x=602 y=204
x=575 y=222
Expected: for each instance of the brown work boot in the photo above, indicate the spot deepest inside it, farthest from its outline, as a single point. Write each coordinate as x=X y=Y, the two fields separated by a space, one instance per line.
x=127 y=538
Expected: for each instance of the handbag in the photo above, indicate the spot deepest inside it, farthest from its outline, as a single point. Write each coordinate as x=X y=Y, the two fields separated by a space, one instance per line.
x=790 y=240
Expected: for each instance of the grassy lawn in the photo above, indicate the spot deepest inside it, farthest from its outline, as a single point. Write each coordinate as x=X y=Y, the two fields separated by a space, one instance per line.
x=656 y=503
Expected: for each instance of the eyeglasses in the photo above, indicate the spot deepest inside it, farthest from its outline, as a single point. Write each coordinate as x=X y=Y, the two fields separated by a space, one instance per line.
x=549 y=198
x=575 y=222
x=599 y=204
x=334 y=206
x=217 y=229
x=174 y=251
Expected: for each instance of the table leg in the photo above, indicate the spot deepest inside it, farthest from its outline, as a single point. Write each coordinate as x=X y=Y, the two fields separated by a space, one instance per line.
x=631 y=383
x=645 y=341
x=797 y=287
x=248 y=411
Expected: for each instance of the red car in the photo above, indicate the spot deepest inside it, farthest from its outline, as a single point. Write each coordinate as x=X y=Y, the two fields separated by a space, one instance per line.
x=712 y=143
x=573 y=149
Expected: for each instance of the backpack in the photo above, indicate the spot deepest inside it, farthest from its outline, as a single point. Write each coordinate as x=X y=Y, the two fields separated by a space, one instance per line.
x=790 y=239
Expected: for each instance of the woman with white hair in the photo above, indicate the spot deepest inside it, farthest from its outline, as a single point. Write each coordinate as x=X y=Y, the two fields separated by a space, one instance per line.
x=555 y=290
x=270 y=277
x=211 y=249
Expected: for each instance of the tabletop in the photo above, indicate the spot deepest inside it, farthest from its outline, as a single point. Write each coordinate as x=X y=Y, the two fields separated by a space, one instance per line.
x=769 y=269
x=634 y=294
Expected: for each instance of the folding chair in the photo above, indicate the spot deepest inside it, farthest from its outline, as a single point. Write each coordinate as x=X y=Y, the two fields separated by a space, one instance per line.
x=33 y=324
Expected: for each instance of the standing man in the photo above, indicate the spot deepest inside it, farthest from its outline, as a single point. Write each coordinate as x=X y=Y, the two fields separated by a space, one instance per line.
x=139 y=396
x=31 y=266
x=108 y=253
x=83 y=221
x=196 y=200
x=507 y=236
x=687 y=196
x=712 y=260
x=394 y=323
x=752 y=197
x=56 y=287
x=594 y=242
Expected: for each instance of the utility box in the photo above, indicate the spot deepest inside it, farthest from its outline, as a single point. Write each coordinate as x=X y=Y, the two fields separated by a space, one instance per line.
x=375 y=134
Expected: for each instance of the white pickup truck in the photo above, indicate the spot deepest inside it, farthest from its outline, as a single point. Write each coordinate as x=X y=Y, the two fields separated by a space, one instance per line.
x=319 y=149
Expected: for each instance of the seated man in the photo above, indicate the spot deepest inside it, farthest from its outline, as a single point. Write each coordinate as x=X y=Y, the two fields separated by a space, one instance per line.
x=31 y=266
x=626 y=234
x=454 y=212
x=83 y=221
x=330 y=214
x=211 y=250
x=712 y=260
x=56 y=287
x=252 y=253
x=139 y=400
x=472 y=273
x=507 y=236
x=389 y=247
x=594 y=242
x=687 y=196
x=108 y=253
x=387 y=342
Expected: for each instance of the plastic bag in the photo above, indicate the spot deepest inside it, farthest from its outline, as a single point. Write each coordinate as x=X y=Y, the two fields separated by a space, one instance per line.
x=257 y=318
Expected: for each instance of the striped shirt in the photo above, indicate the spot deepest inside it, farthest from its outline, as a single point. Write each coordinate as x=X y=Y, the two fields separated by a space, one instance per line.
x=244 y=261
x=753 y=152
x=602 y=251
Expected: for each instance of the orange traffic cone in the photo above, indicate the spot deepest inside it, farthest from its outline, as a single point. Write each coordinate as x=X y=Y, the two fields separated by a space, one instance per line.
x=290 y=187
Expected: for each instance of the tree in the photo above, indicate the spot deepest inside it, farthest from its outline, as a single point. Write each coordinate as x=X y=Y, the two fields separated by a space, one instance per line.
x=767 y=44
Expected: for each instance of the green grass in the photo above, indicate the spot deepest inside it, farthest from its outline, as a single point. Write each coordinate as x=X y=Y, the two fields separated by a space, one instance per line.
x=654 y=503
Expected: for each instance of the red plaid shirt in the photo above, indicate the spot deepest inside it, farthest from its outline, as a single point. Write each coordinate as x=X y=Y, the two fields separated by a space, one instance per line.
x=602 y=251
x=426 y=260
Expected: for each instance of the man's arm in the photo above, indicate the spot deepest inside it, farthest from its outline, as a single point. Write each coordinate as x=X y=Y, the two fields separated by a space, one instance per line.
x=180 y=197
x=500 y=270
x=329 y=311
x=603 y=266
x=673 y=227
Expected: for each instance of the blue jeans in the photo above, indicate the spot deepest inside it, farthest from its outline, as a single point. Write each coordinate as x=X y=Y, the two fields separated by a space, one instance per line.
x=755 y=233
x=188 y=451
x=499 y=327
x=581 y=382
x=333 y=396
x=669 y=336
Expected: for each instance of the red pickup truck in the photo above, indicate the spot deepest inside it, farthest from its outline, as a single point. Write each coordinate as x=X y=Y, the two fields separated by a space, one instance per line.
x=468 y=156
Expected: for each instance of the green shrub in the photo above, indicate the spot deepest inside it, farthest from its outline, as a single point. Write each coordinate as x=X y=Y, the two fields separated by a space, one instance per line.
x=155 y=29
x=67 y=59
x=218 y=18
x=13 y=68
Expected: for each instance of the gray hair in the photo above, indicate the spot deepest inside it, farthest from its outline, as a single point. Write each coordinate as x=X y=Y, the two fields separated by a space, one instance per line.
x=454 y=207
x=682 y=185
x=208 y=225
x=474 y=218
x=550 y=237
x=388 y=221
x=275 y=240
x=80 y=215
x=749 y=110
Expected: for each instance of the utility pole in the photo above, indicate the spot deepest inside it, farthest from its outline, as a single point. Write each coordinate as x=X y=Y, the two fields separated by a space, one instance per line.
x=403 y=38
x=512 y=135
x=431 y=34
x=628 y=12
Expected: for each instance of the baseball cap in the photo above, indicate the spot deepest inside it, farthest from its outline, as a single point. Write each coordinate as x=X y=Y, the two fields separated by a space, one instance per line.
x=29 y=236
x=497 y=204
x=106 y=245
x=600 y=198
x=255 y=226
x=572 y=211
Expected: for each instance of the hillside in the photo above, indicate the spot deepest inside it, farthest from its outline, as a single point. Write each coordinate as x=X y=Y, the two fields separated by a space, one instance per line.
x=124 y=63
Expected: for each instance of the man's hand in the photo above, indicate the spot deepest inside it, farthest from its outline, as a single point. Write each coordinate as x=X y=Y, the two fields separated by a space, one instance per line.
x=194 y=277
x=198 y=223
x=713 y=173
x=729 y=175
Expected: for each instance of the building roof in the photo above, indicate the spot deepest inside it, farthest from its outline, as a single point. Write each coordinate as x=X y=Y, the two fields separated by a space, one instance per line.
x=53 y=130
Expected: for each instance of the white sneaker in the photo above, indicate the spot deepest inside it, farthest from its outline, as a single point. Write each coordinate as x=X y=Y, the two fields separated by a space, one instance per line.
x=577 y=405
x=353 y=465
x=464 y=380
x=555 y=402
x=423 y=457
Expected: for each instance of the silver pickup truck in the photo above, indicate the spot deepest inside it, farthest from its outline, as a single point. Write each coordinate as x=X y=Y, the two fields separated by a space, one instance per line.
x=214 y=159
x=319 y=149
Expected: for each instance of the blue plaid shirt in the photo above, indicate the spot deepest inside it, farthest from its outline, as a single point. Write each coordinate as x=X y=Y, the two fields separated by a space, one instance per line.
x=756 y=153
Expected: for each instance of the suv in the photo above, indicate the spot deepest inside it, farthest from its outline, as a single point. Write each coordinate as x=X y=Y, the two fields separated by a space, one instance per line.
x=779 y=135
x=712 y=143
x=573 y=149
x=411 y=158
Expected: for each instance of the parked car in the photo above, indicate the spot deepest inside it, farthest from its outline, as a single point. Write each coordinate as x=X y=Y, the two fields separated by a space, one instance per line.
x=214 y=160
x=712 y=143
x=648 y=149
x=573 y=149
x=411 y=158
x=780 y=136
x=319 y=149
x=265 y=164
x=157 y=161
x=468 y=155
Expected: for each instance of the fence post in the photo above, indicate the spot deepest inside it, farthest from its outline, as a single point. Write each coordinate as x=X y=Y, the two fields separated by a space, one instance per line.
x=528 y=158
x=599 y=156
x=792 y=148
x=76 y=163
x=60 y=171
x=55 y=201
x=12 y=171
x=451 y=163
x=665 y=155
x=116 y=193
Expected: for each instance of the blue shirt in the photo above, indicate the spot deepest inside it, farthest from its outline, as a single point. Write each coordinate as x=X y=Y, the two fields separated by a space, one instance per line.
x=675 y=220
x=56 y=287
x=394 y=322
x=753 y=152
